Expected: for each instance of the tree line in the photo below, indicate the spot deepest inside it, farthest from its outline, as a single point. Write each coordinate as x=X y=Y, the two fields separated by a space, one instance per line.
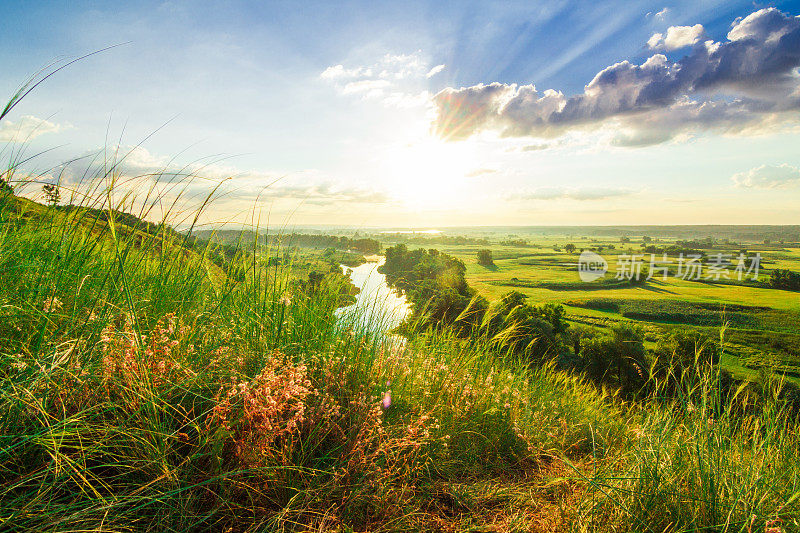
x=364 y=245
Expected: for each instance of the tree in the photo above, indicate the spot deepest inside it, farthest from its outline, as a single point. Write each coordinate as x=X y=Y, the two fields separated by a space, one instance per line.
x=569 y=248
x=485 y=257
x=554 y=314
x=5 y=188
x=579 y=334
x=433 y=281
x=784 y=279
x=52 y=196
x=616 y=358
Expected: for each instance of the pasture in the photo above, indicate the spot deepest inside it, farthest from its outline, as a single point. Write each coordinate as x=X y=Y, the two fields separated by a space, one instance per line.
x=762 y=323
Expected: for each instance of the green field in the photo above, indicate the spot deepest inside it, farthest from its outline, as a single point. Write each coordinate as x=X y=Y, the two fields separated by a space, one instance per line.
x=545 y=273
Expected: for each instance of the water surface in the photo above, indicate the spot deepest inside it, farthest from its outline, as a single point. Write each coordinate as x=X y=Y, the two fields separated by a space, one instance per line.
x=378 y=307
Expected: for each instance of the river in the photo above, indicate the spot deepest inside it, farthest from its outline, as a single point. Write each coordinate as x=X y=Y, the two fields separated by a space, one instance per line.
x=378 y=307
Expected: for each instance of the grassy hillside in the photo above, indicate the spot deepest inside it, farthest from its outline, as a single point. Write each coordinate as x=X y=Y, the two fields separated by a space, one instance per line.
x=143 y=389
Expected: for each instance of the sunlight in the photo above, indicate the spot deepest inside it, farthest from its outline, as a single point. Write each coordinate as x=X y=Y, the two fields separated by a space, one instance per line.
x=429 y=174
x=418 y=266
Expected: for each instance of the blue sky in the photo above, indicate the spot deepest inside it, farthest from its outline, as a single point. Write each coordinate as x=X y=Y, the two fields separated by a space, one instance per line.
x=352 y=106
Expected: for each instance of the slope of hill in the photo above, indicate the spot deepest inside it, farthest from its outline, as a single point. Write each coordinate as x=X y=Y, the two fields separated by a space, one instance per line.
x=137 y=393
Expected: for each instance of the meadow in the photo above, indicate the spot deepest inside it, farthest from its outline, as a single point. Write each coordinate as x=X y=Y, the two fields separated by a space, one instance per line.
x=150 y=381
x=763 y=323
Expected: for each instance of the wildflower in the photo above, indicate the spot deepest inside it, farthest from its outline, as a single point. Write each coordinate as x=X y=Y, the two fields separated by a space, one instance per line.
x=51 y=304
x=121 y=346
x=286 y=299
x=18 y=364
x=387 y=396
x=260 y=412
x=387 y=399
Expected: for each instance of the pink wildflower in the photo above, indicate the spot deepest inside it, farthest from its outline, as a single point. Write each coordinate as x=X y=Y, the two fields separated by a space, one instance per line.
x=387 y=399
x=387 y=396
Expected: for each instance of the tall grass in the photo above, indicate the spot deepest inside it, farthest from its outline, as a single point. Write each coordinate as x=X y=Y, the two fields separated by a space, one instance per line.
x=708 y=457
x=142 y=387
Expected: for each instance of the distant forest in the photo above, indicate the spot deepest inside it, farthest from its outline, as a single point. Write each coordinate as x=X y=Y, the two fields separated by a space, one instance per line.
x=518 y=235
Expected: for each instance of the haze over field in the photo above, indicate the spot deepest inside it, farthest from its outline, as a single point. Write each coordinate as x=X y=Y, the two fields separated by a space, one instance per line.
x=429 y=114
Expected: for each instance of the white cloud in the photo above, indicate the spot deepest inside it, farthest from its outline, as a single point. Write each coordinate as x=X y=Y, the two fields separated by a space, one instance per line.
x=661 y=15
x=576 y=193
x=534 y=147
x=339 y=72
x=27 y=128
x=401 y=66
x=365 y=86
x=768 y=177
x=326 y=193
x=403 y=100
x=655 y=41
x=766 y=24
x=140 y=169
x=139 y=159
x=434 y=71
x=641 y=137
x=396 y=80
x=677 y=37
x=480 y=172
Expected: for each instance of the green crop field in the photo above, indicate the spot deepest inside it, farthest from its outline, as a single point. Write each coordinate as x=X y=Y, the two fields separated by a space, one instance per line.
x=546 y=273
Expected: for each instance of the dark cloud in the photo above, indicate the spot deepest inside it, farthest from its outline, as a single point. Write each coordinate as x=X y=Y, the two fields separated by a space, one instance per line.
x=730 y=86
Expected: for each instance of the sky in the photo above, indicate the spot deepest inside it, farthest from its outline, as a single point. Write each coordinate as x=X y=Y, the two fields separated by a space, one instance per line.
x=417 y=114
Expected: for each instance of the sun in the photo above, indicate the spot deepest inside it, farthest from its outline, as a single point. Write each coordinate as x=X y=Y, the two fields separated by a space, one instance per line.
x=428 y=174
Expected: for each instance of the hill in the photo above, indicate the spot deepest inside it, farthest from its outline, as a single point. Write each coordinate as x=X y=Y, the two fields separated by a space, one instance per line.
x=138 y=393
